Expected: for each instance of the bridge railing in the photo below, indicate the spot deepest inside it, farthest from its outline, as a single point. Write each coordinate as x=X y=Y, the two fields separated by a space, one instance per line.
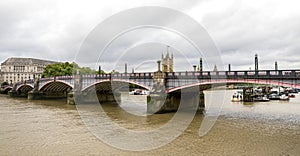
x=97 y=76
x=133 y=75
x=263 y=74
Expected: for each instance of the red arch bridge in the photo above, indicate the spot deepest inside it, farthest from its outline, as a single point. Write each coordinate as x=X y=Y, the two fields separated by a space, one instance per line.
x=167 y=84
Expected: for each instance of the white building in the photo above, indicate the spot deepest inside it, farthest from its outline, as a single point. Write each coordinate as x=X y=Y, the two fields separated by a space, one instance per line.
x=20 y=69
x=1 y=77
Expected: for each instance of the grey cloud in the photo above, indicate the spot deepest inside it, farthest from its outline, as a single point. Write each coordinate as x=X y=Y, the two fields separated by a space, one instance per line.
x=242 y=32
x=44 y=31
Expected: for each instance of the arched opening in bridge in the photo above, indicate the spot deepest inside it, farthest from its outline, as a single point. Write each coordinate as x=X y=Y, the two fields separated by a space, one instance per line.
x=23 y=90
x=6 y=90
x=55 y=89
x=117 y=93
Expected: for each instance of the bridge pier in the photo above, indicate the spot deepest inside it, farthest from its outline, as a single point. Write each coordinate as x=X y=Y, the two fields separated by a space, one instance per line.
x=85 y=97
x=109 y=97
x=70 y=98
x=13 y=93
x=35 y=95
x=185 y=99
x=157 y=103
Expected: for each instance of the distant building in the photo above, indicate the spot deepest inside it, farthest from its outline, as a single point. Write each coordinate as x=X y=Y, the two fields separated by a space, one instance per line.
x=1 y=77
x=215 y=68
x=20 y=69
x=167 y=63
x=200 y=66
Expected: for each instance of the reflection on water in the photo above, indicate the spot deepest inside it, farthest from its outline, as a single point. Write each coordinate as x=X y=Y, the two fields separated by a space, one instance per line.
x=51 y=127
x=134 y=104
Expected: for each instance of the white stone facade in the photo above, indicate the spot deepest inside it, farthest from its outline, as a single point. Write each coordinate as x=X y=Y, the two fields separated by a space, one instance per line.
x=20 y=69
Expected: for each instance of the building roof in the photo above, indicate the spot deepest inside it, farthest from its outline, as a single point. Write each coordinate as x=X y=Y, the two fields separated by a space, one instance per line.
x=26 y=61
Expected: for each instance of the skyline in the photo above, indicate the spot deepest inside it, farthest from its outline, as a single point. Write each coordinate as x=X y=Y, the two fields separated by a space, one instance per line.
x=54 y=30
x=125 y=66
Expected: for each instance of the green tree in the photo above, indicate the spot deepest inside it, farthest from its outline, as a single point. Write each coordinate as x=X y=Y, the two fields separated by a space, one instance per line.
x=59 y=69
x=4 y=83
x=86 y=70
x=67 y=69
x=102 y=72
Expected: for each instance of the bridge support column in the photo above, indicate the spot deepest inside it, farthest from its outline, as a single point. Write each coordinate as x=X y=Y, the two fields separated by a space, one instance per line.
x=14 y=92
x=77 y=97
x=109 y=97
x=35 y=93
x=171 y=102
x=71 y=98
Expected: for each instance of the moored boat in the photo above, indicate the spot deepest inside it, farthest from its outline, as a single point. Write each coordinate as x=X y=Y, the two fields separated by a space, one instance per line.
x=139 y=92
x=292 y=95
x=284 y=97
x=274 y=96
x=263 y=98
x=237 y=97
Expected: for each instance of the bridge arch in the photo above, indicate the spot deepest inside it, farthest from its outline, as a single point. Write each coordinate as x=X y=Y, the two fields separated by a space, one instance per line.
x=106 y=85
x=7 y=89
x=236 y=81
x=24 y=88
x=55 y=86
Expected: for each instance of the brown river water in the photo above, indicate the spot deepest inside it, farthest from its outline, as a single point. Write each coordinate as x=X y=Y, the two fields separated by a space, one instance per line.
x=51 y=127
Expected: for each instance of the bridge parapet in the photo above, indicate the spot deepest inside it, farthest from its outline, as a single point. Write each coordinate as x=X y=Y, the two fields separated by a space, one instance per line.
x=236 y=74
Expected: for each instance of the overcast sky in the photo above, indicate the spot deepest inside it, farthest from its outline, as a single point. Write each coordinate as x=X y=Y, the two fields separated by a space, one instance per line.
x=55 y=30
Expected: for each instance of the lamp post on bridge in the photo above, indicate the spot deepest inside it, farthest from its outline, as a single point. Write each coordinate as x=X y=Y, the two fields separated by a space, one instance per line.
x=201 y=65
x=256 y=64
x=99 y=69
x=158 y=65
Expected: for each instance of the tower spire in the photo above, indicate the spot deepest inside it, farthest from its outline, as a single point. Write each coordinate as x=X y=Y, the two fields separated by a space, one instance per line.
x=168 y=48
x=167 y=55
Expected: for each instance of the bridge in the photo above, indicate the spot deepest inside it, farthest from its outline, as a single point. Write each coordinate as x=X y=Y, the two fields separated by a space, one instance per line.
x=171 y=84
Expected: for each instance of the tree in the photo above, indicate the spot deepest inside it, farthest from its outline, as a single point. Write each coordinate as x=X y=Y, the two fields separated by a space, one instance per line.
x=67 y=69
x=86 y=70
x=114 y=72
x=59 y=69
x=102 y=72
x=4 y=83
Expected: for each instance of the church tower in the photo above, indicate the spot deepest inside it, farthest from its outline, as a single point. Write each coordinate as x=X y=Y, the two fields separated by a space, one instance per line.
x=167 y=62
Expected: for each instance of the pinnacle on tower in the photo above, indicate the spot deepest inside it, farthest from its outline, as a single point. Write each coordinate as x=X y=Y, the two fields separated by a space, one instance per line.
x=167 y=56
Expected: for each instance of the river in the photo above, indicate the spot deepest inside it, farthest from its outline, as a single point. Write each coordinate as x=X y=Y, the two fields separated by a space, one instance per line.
x=51 y=127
